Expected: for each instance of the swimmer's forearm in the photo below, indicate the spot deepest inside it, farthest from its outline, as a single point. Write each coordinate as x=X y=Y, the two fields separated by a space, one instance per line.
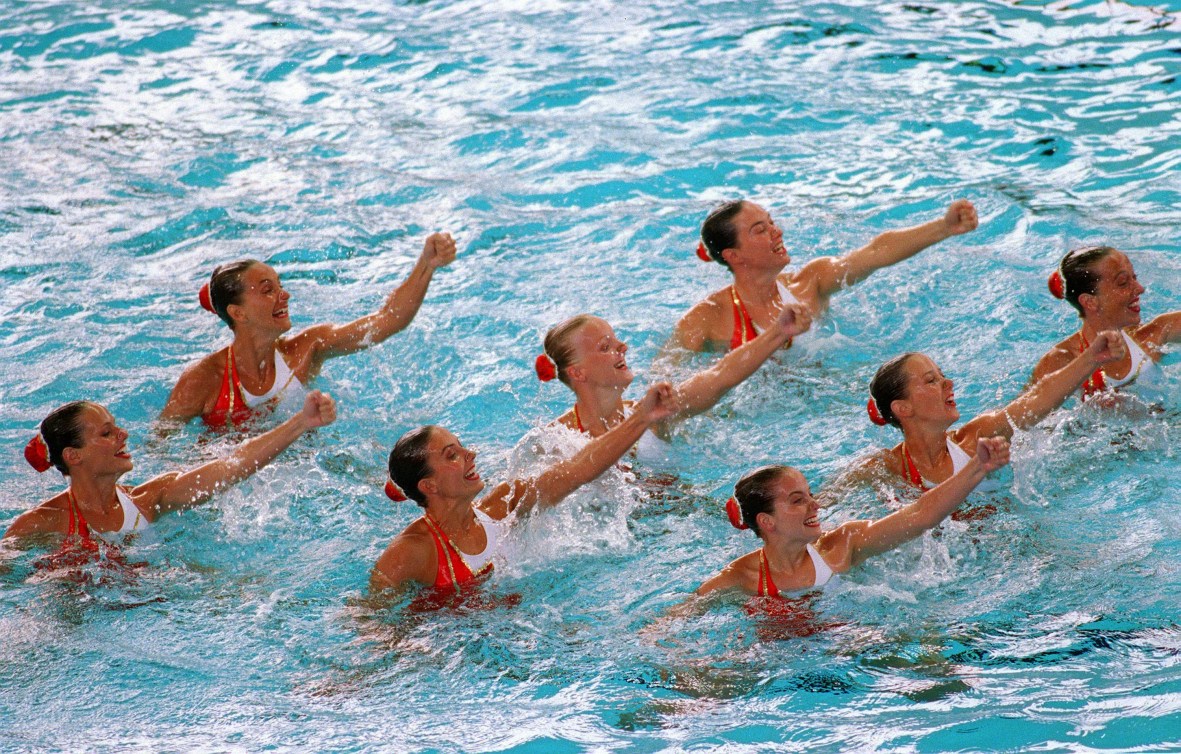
x=198 y=485
x=701 y=391
x=558 y=481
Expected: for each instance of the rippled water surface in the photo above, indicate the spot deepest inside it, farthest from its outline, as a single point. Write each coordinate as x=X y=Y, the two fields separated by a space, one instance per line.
x=573 y=149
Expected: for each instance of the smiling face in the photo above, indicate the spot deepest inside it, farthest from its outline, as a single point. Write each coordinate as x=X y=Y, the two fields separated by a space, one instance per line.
x=794 y=514
x=104 y=445
x=600 y=358
x=929 y=395
x=759 y=240
x=1115 y=304
x=452 y=468
x=263 y=302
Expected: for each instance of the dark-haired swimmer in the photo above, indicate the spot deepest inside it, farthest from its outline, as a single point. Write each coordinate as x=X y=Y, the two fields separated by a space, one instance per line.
x=744 y=238
x=777 y=505
x=458 y=538
x=82 y=440
x=911 y=393
x=1100 y=283
x=252 y=375
x=584 y=353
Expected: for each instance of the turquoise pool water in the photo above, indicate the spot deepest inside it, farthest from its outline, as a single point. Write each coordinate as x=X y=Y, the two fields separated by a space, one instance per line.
x=573 y=148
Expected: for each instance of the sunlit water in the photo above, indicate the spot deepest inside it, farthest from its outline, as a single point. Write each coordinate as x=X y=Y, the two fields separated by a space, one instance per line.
x=573 y=148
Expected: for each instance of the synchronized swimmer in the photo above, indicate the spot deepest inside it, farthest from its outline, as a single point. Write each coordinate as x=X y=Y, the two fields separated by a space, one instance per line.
x=251 y=375
x=459 y=538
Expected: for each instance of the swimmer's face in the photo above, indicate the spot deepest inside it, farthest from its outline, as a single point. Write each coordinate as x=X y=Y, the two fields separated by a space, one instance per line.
x=795 y=514
x=600 y=358
x=264 y=300
x=759 y=240
x=104 y=445
x=1116 y=300
x=452 y=468
x=929 y=395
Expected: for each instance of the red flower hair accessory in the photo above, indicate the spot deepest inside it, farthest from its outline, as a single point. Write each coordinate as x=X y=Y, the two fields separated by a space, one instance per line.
x=393 y=492
x=735 y=514
x=545 y=368
x=703 y=253
x=1057 y=284
x=875 y=416
x=205 y=299
x=37 y=454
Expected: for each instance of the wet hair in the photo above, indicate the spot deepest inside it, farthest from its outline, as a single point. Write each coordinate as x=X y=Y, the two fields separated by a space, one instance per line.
x=226 y=287
x=718 y=232
x=889 y=385
x=559 y=344
x=1078 y=273
x=62 y=429
x=755 y=494
x=408 y=462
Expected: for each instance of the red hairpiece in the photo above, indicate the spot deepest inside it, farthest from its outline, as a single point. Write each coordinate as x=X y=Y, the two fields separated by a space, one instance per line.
x=205 y=299
x=875 y=416
x=703 y=253
x=393 y=492
x=37 y=454
x=545 y=368
x=735 y=514
x=1057 y=284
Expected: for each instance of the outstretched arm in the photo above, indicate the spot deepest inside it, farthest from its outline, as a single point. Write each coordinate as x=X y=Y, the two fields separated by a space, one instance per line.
x=1048 y=393
x=875 y=537
x=176 y=491
x=891 y=247
x=556 y=482
x=329 y=341
x=704 y=389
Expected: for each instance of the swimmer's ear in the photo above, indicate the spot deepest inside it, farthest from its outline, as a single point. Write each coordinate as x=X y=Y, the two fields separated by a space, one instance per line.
x=766 y=521
x=71 y=456
x=427 y=486
x=730 y=256
x=901 y=408
x=575 y=373
x=236 y=311
x=1089 y=302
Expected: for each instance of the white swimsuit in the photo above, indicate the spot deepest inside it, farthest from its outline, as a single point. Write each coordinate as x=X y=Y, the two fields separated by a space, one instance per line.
x=132 y=518
x=495 y=532
x=284 y=378
x=960 y=459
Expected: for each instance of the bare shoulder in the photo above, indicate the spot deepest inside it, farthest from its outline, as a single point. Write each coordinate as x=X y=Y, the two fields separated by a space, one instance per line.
x=837 y=546
x=197 y=389
x=409 y=557
x=50 y=517
x=1158 y=331
x=742 y=573
x=1057 y=357
x=147 y=496
x=706 y=322
x=568 y=420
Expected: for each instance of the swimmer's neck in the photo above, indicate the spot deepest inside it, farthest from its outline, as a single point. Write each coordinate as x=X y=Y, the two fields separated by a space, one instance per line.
x=927 y=445
x=1092 y=326
x=757 y=287
x=94 y=495
x=785 y=555
x=599 y=409
x=254 y=352
x=453 y=515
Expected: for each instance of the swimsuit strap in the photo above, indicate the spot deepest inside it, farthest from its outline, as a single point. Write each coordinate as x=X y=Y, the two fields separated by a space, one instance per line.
x=767 y=587
x=457 y=573
x=578 y=420
x=1096 y=382
x=77 y=525
x=912 y=472
x=744 y=326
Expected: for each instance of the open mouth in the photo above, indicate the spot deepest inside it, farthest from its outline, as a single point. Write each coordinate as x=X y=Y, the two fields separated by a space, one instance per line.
x=950 y=402
x=473 y=475
x=122 y=453
x=280 y=313
x=812 y=521
x=621 y=364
